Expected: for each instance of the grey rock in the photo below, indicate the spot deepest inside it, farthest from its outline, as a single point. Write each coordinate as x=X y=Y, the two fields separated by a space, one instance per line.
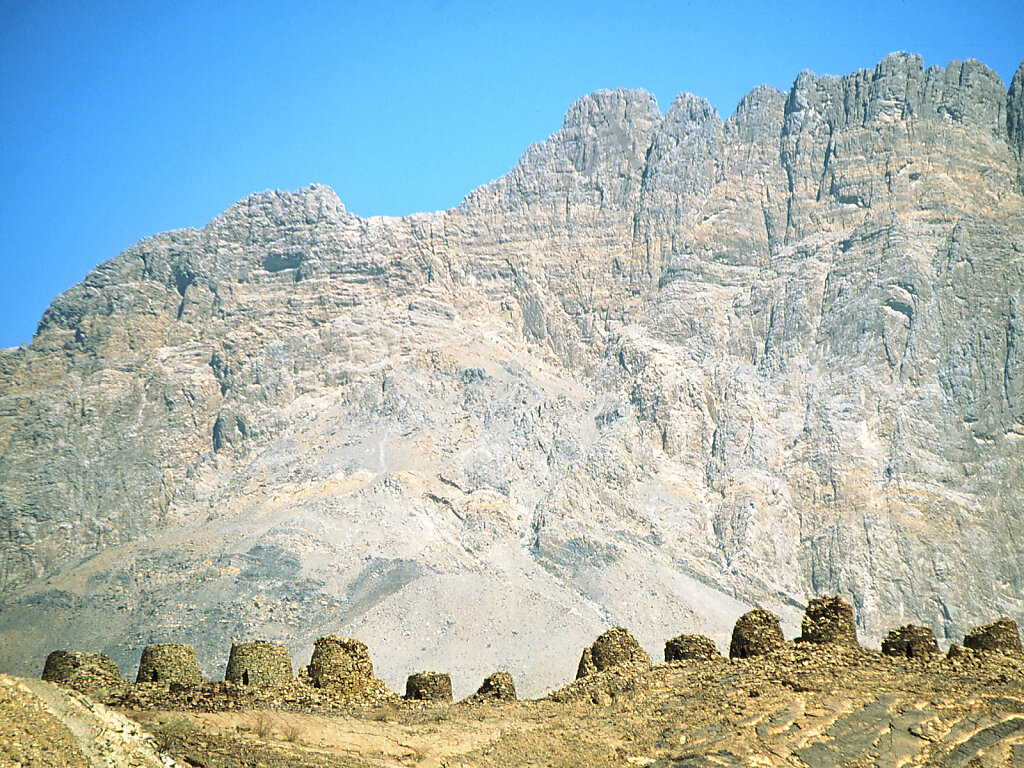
x=669 y=366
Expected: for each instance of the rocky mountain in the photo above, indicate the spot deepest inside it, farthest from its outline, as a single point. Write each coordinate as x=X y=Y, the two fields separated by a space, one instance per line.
x=668 y=367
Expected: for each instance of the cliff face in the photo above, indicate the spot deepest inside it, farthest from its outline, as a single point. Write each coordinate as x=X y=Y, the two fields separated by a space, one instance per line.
x=667 y=367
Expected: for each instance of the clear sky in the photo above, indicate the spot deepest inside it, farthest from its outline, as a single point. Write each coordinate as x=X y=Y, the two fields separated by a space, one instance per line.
x=123 y=119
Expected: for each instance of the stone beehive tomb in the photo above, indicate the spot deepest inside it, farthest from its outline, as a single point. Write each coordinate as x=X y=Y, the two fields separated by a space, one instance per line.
x=259 y=663
x=1001 y=635
x=687 y=647
x=756 y=633
x=911 y=641
x=343 y=665
x=169 y=663
x=828 y=620
x=81 y=671
x=498 y=686
x=614 y=647
x=429 y=686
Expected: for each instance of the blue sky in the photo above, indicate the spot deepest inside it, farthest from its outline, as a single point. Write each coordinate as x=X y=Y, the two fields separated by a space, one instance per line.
x=122 y=119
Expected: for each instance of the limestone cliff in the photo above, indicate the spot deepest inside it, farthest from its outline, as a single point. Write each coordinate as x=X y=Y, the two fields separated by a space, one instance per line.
x=669 y=366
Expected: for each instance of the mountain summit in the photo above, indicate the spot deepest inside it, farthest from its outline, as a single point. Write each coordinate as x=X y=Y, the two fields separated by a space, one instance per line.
x=667 y=368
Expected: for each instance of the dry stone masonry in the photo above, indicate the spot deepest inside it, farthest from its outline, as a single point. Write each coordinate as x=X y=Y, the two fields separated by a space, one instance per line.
x=429 y=686
x=690 y=647
x=912 y=642
x=260 y=663
x=612 y=648
x=1001 y=635
x=498 y=686
x=756 y=633
x=82 y=671
x=167 y=663
x=828 y=620
x=343 y=665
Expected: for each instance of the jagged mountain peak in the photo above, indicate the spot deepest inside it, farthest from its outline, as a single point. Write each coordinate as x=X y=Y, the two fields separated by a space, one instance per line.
x=666 y=368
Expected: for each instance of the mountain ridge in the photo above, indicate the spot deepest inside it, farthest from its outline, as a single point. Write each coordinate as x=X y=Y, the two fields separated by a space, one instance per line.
x=710 y=362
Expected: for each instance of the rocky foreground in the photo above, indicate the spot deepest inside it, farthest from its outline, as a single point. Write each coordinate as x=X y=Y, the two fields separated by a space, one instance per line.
x=800 y=705
x=820 y=700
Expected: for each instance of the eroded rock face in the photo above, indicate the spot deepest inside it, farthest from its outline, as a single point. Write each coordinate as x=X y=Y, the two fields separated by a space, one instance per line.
x=670 y=365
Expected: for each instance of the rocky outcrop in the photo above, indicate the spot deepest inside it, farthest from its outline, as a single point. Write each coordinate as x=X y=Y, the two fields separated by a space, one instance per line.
x=1015 y=119
x=42 y=724
x=670 y=365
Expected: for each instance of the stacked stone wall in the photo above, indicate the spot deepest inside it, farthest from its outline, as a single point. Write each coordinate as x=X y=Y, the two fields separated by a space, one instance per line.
x=167 y=663
x=612 y=648
x=756 y=633
x=828 y=620
x=912 y=642
x=498 y=686
x=1001 y=635
x=259 y=663
x=690 y=647
x=429 y=686
x=81 y=671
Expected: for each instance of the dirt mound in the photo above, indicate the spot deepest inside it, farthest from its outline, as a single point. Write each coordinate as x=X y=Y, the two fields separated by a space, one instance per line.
x=911 y=641
x=756 y=633
x=690 y=647
x=828 y=620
